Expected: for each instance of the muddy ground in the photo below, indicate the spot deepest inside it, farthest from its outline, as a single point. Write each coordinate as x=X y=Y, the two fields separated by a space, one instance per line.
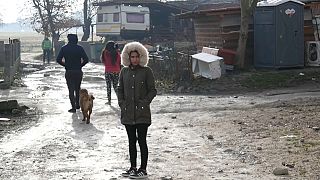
x=228 y=133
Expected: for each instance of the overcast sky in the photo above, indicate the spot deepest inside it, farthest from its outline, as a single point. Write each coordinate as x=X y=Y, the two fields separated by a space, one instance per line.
x=11 y=10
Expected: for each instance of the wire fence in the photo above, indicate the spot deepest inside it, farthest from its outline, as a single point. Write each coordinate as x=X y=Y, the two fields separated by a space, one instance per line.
x=172 y=65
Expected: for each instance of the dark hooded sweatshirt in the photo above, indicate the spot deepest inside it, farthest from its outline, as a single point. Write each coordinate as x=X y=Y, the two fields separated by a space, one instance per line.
x=72 y=53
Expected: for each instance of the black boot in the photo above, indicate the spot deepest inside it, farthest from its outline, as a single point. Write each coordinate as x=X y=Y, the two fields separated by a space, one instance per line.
x=72 y=110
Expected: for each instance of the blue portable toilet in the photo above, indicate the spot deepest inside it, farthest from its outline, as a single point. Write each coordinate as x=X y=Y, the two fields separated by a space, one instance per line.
x=278 y=34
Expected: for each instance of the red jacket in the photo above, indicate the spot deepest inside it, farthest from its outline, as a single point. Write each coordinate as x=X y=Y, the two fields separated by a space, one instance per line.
x=107 y=61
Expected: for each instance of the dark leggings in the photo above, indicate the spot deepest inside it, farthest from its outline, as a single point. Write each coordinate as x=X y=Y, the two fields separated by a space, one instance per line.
x=74 y=78
x=111 y=78
x=132 y=131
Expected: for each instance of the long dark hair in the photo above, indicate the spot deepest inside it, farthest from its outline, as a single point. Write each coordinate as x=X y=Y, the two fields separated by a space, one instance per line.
x=111 y=46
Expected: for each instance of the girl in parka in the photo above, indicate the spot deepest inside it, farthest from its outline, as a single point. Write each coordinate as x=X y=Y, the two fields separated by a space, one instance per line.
x=136 y=90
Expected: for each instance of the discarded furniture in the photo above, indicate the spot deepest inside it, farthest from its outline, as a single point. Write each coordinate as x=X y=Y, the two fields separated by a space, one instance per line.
x=208 y=65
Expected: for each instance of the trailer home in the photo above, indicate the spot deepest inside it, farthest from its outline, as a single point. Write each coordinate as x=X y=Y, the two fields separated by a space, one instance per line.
x=124 y=22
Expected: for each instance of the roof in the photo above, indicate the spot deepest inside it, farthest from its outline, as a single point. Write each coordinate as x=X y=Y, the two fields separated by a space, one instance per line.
x=146 y=3
x=204 y=7
x=216 y=4
x=309 y=1
x=218 y=1
x=276 y=2
x=189 y=5
x=212 y=9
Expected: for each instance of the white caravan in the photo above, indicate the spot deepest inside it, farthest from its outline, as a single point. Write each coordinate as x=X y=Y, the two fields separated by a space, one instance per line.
x=127 y=22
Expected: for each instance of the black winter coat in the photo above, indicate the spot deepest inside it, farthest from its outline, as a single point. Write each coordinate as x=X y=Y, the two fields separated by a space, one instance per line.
x=72 y=53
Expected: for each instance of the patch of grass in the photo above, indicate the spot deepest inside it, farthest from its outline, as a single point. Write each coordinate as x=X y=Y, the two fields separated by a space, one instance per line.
x=267 y=80
x=279 y=78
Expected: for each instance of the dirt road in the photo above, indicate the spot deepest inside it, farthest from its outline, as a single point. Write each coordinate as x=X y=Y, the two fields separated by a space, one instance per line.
x=244 y=136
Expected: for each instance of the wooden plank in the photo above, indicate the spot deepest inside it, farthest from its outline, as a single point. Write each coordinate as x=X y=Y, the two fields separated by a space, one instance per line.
x=309 y=38
x=207 y=19
x=231 y=20
x=208 y=35
x=234 y=28
x=206 y=29
x=314 y=6
x=222 y=13
x=199 y=25
x=308 y=23
x=208 y=41
x=308 y=30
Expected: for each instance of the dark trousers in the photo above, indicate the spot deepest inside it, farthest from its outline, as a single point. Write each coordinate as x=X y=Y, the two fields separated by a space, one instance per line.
x=46 y=55
x=140 y=130
x=74 y=78
x=111 y=78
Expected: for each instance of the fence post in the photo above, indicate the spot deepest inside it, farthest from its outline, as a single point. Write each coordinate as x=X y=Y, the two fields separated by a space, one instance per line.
x=7 y=63
x=178 y=72
x=190 y=65
x=16 y=56
x=2 y=54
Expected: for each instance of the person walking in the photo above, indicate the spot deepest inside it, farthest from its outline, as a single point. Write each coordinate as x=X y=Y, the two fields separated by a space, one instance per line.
x=136 y=90
x=46 y=49
x=73 y=57
x=110 y=57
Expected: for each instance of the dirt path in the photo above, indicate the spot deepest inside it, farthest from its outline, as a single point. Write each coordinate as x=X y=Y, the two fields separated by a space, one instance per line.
x=192 y=137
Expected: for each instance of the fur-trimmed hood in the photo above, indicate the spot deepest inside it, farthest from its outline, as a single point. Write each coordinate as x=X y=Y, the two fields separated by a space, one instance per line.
x=134 y=46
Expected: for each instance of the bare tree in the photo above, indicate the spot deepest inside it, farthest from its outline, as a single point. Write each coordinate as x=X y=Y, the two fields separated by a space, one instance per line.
x=52 y=17
x=247 y=8
x=88 y=13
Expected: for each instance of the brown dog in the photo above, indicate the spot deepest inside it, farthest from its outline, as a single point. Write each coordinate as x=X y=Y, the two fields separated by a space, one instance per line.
x=86 y=104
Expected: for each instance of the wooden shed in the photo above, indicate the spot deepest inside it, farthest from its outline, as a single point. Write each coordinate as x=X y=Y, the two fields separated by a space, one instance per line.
x=311 y=20
x=217 y=24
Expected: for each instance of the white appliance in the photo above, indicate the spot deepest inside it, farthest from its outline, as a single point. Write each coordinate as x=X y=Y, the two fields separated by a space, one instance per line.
x=207 y=65
x=313 y=53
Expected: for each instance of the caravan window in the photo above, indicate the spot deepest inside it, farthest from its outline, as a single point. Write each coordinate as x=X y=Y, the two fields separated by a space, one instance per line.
x=105 y=17
x=135 y=18
x=100 y=17
x=115 y=17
